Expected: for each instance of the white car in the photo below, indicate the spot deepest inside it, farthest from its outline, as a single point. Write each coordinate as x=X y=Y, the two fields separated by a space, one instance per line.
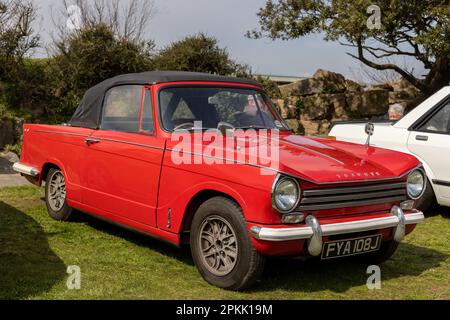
x=423 y=132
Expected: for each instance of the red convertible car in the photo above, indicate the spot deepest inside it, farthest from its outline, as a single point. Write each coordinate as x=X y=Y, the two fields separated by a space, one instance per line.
x=122 y=158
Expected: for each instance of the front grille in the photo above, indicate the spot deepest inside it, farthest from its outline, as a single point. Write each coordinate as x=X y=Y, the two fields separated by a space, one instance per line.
x=346 y=197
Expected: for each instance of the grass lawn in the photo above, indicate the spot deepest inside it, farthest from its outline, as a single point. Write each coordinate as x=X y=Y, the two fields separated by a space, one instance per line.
x=35 y=252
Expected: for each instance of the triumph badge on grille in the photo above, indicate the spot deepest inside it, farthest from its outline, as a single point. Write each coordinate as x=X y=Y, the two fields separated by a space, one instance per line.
x=370 y=128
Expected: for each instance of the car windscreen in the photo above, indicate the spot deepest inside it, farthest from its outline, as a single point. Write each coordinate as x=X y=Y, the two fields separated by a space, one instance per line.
x=185 y=107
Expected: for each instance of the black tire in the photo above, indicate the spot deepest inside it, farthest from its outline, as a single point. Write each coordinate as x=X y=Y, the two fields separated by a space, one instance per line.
x=386 y=251
x=248 y=264
x=62 y=212
x=428 y=199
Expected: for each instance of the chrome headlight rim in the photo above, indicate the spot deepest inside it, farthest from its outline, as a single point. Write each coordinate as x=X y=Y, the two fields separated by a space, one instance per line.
x=280 y=179
x=424 y=178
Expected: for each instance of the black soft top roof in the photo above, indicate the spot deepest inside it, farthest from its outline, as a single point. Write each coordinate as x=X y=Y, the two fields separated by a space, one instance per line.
x=89 y=111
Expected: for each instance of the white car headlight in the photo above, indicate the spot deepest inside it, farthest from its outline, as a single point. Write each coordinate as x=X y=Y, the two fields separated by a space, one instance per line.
x=286 y=195
x=416 y=184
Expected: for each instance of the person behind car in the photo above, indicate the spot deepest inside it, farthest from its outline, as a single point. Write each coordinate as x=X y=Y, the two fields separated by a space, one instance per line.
x=396 y=112
x=255 y=114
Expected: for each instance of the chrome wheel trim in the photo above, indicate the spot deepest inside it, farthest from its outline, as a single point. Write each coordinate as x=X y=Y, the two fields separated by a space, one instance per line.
x=218 y=245
x=57 y=192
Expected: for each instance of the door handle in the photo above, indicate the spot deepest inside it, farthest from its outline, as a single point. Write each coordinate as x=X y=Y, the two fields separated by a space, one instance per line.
x=90 y=141
x=422 y=138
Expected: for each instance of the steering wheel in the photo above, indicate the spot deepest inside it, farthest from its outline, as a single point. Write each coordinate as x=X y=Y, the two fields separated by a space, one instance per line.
x=186 y=125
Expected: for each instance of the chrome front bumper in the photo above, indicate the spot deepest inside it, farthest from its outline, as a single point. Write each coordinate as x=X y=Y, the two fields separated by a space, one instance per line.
x=26 y=170
x=314 y=232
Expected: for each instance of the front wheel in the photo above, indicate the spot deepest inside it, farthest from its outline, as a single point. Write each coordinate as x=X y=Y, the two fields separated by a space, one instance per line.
x=221 y=246
x=55 y=196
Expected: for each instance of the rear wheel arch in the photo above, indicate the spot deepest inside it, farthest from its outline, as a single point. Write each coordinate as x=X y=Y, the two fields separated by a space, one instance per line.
x=51 y=165
x=46 y=168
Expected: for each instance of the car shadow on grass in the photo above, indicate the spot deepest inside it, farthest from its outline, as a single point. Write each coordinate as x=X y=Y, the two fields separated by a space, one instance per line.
x=339 y=275
x=139 y=239
x=438 y=211
x=290 y=274
x=28 y=266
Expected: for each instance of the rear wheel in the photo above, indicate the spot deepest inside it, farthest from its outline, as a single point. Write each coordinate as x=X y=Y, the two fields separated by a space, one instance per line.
x=55 y=196
x=221 y=246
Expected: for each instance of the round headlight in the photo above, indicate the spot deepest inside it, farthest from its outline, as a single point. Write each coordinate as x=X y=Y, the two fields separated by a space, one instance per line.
x=416 y=184
x=286 y=195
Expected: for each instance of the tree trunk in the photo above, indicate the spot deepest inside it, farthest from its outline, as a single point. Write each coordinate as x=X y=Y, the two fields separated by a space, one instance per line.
x=439 y=75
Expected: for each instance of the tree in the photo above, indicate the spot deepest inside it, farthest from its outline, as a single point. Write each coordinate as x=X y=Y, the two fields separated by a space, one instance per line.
x=409 y=28
x=89 y=57
x=199 y=53
x=17 y=36
x=96 y=40
x=17 y=40
x=128 y=19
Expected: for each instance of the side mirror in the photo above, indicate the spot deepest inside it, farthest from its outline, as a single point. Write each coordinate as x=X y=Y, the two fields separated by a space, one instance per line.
x=369 y=129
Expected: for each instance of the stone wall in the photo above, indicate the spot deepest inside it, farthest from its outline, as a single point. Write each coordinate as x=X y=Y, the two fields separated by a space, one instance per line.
x=309 y=106
x=10 y=131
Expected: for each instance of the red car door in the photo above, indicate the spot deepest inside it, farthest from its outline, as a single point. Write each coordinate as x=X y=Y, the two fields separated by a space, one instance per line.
x=124 y=158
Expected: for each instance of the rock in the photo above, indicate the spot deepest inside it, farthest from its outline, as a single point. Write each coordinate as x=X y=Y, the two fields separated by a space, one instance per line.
x=294 y=125
x=7 y=135
x=402 y=85
x=10 y=156
x=303 y=88
x=310 y=127
x=402 y=95
x=324 y=106
x=279 y=103
x=382 y=86
x=287 y=107
x=6 y=167
x=314 y=108
x=322 y=74
x=322 y=82
x=368 y=103
x=316 y=128
x=352 y=86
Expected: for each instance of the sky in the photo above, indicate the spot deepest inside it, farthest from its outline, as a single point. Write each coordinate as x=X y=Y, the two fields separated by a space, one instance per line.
x=228 y=21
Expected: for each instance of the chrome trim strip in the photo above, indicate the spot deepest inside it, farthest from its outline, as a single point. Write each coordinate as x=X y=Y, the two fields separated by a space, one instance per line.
x=414 y=218
x=63 y=133
x=359 y=226
x=355 y=196
x=312 y=230
x=344 y=190
x=130 y=143
x=27 y=170
x=282 y=234
x=349 y=204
